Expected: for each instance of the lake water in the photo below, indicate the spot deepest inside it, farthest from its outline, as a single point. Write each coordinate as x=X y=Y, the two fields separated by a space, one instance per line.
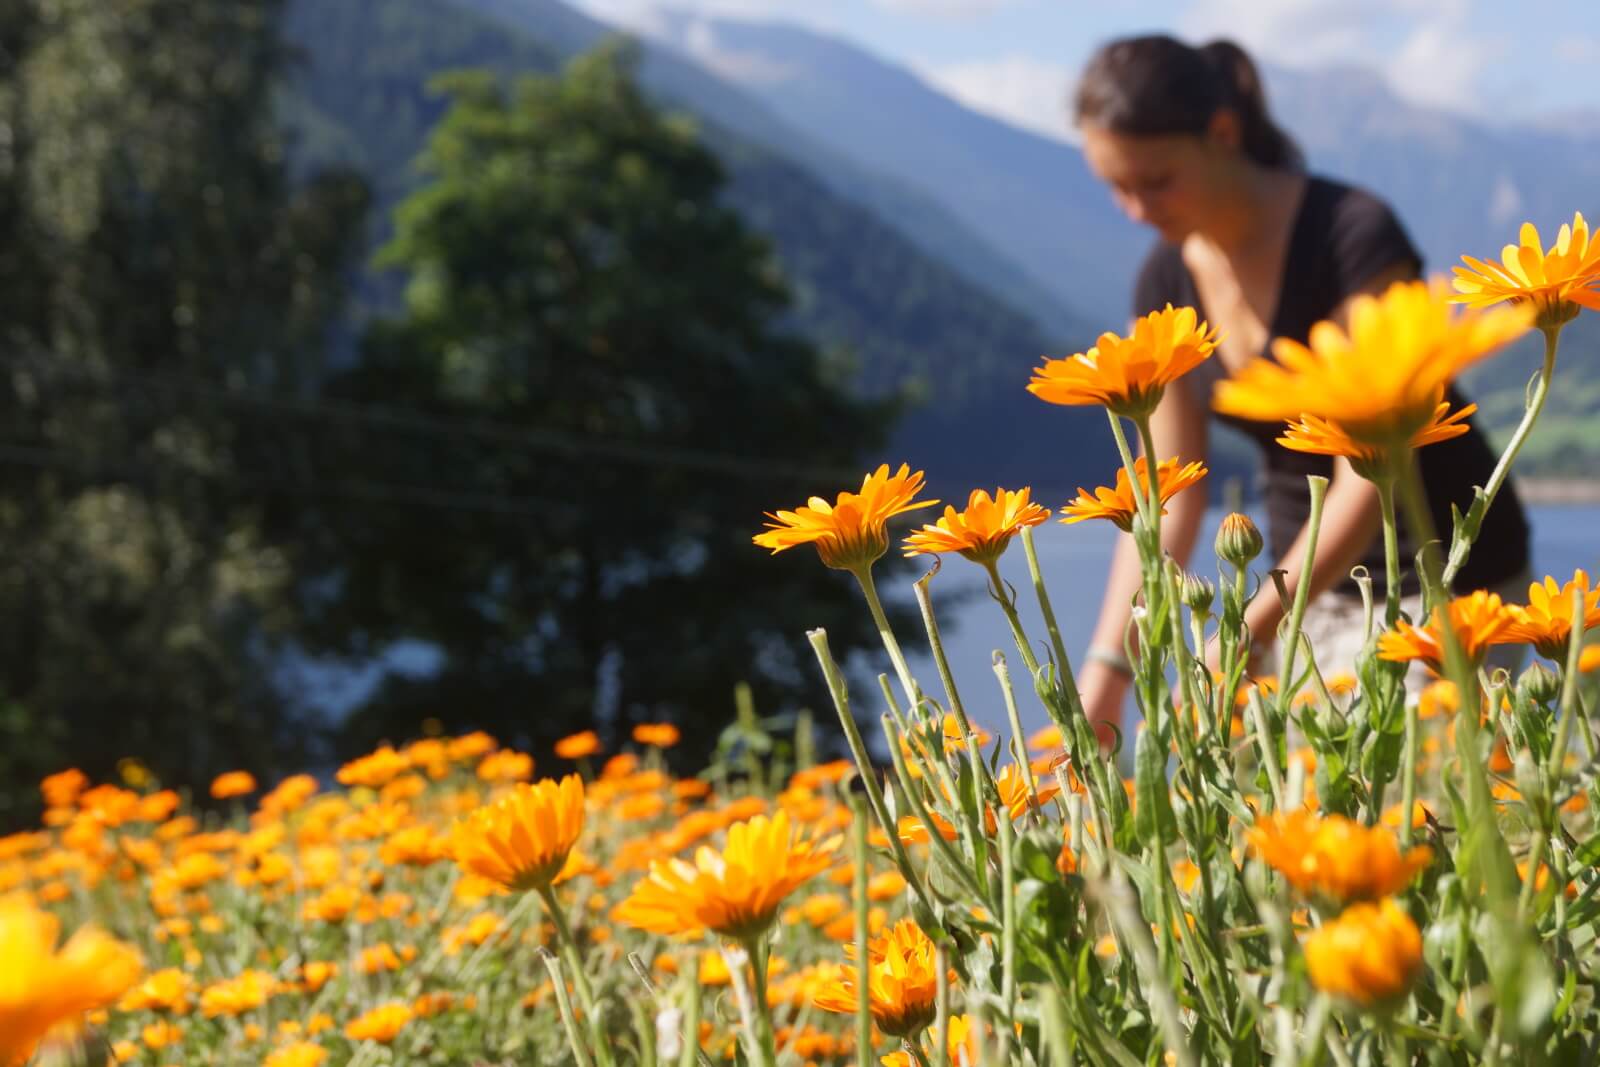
x=1075 y=559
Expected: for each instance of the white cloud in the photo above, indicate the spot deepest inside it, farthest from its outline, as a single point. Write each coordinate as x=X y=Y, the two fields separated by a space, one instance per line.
x=1018 y=89
x=699 y=40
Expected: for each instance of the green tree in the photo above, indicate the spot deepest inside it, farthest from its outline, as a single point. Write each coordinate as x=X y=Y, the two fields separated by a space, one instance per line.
x=159 y=266
x=578 y=290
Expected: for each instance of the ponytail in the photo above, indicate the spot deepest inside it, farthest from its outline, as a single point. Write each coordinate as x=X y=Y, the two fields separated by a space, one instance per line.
x=1157 y=85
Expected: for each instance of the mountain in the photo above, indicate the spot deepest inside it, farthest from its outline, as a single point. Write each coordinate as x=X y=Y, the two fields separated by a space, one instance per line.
x=1033 y=197
x=906 y=317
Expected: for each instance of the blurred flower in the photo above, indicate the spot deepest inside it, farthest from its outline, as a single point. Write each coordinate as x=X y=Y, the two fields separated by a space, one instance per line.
x=1381 y=382
x=656 y=734
x=1478 y=619
x=983 y=529
x=166 y=990
x=850 y=533
x=1334 y=856
x=1557 y=282
x=41 y=987
x=233 y=784
x=577 y=746
x=902 y=981
x=299 y=1054
x=244 y=992
x=60 y=790
x=1369 y=954
x=523 y=840
x=963 y=1043
x=1321 y=437
x=382 y=1024
x=1546 y=621
x=735 y=893
x=505 y=765
x=1129 y=374
x=375 y=769
x=1118 y=505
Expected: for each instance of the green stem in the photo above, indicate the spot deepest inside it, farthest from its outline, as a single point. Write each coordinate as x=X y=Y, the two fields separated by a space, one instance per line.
x=941 y=1006
x=1064 y=674
x=931 y=623
x=580 y=978
x=689 y=1056
x=1408 y=783
x=997 y=589
x=858 y=847
x=869 y=589
x=1019 y=745
x=1008 y=933
x=564 y=1006
x=1391 y=550
x=1461 y=547
x=1128 y=463
x=758 y=949
x=1318 y=487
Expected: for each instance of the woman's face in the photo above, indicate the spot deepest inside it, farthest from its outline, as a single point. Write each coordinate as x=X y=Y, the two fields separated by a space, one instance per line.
x=1170 y=183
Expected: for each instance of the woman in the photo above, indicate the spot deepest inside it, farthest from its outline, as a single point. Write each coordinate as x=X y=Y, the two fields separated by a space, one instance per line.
x=1262 y=250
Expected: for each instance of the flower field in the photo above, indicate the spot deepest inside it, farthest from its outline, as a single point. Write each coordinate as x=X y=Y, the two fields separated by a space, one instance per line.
x=1307 y=867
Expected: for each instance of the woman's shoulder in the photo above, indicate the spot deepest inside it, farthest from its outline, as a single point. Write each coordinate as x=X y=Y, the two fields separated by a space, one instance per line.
x=1358 y=232
x=1161 y=280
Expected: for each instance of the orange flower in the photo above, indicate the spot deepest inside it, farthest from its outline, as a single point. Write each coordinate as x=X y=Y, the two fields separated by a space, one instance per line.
x=1129 y=374
x=656 y=734
x=382 y=1024
x=1557 y=282
x=1334 y=856
x=1479 y=620
x=41 y=987
x=851 y=532
x=375 y=769
x=1546 y=623
x=1589 y=659
x=577 y=746
x=244 y=992
x=1369 y=954
x=735 y=893
x=983 y=529
x=1118 y=504
x=523 y=840
x=902 y=981
x=233 y=784
x=1380 y=382
x=298 y=1054
x=506 y=765
x=1324 y=438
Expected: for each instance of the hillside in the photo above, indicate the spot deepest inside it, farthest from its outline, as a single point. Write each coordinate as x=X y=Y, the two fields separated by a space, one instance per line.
x=907 y=321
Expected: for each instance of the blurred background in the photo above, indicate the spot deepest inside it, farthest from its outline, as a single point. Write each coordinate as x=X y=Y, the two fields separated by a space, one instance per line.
x=377 y=367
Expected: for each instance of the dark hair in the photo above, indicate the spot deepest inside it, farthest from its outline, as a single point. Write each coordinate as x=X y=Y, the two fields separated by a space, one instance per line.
x=1155 y=85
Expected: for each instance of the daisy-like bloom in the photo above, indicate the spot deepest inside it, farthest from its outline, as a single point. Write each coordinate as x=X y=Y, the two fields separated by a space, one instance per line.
x=1013 y=790
x=1369 y=954
x=299 y=1054
x=982 y=530
x=902 y=981
x=1546 y=621
x=1118 y=504
x=852 y=531
x=1589 y=659
x=1129 y=374
x=523 y=840
x=41 y=987
x=244 y=992
x=656 y=734
x=166 y=990
x=1557 y=282
x=375 y=769
x=1335 y=857
x=1478 y=619
x=1324 y=438
x=382 y=1024
x=233 y=784
x=578 y=746
x=1381 y=382
x=963 y=1042
x=736 y=892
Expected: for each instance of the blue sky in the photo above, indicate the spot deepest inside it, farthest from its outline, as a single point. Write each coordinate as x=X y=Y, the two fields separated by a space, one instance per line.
x=1491 y=59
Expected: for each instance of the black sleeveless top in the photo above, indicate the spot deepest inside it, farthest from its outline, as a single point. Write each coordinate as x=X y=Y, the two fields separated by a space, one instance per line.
x=1341 y=239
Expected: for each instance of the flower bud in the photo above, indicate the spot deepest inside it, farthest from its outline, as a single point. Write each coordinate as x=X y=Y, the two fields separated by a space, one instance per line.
x=1198 y=593
x=1238 y=540
x=1539 y=684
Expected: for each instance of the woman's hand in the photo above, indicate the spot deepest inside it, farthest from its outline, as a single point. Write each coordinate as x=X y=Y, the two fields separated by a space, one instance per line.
x=1103 y=689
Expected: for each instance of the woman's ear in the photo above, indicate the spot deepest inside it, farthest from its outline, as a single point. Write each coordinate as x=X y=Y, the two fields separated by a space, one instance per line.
x=1224 y=129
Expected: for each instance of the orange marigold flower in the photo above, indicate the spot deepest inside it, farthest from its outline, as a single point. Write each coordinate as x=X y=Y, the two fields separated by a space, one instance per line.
x=299 y=1054
x=470 y=746
x=1589 y=659
x=1380 y=382
x=851 y=532
x=1369 y=954
x=375 y=769
x=656 y=734
x=963 y=1043
x=982 y=530
x=1557 y=282
x=1334 y=856
x=1546 y=621
x=736 y=892
x=1129 y=374
x=41 y=987
x=507 y=765
x=1118 y=504
x=167 y=990
x=60 y=790
x=237 y=995
x=577 y=746
x=289 y=794
x=233 y=784
x=902 y=981
x=523 y=840
x=1324 y=438
x=1478 y=619
x=382 y=1024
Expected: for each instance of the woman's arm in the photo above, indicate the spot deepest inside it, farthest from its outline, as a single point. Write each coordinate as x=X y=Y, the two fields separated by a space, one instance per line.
x=1179 y=427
